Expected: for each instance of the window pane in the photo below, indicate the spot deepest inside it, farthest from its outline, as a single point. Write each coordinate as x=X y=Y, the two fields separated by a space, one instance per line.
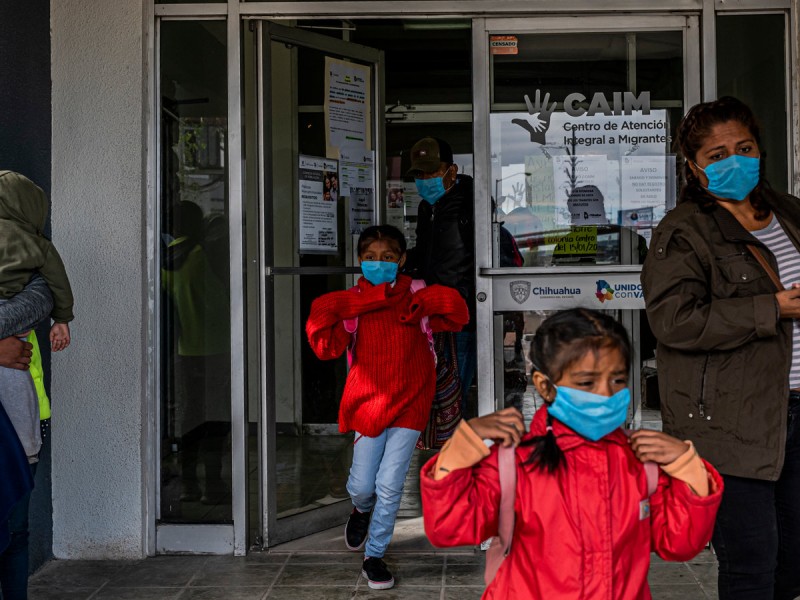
x=583 y=172
x=195 y=328
x=758 y=78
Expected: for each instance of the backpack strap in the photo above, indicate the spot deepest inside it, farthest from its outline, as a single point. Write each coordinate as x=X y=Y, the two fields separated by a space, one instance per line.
x=507 y=465
x=500 y=545
x=351 y=325
x=650 y=471
x=424 y=322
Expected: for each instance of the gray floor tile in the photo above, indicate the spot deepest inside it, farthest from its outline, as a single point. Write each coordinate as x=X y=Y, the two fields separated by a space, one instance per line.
x=399 y=593
x=671 y=574
x=79 y=573
x=463 y=593
x=410 y=574
x=309 y=593
x=464 y=575
x=677 y=592
x=59 y=593
x=140 y=593
x=223 y=593
x=159 y=571
x=319 y=575
x=474 y=558
x=321 y=558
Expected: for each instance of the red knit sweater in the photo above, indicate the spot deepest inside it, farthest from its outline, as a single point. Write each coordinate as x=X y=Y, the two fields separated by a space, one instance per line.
x=392 y=380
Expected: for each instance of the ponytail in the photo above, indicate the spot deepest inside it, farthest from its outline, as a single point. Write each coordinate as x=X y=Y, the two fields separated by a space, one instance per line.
x=546 y=455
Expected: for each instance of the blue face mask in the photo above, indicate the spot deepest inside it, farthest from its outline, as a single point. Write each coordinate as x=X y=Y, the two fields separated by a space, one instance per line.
x=733 y=177
x=379 y=271
x=591 y=415
x=431 y=189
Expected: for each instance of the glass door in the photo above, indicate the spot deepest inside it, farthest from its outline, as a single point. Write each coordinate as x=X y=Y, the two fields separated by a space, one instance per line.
x=574 y=123
x=320 y=131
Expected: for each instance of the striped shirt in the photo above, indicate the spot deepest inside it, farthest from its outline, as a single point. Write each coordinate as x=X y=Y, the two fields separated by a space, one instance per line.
x=774 y=237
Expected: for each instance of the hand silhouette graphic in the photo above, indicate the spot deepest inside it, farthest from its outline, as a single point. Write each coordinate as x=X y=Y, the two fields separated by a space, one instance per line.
x=540 y=111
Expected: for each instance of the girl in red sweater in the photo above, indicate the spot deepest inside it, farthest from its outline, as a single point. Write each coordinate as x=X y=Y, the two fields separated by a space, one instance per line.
x=585 y=522
x=390 y=387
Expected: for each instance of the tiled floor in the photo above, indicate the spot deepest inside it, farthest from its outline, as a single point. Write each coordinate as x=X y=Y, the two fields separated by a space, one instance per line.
x=316 y=568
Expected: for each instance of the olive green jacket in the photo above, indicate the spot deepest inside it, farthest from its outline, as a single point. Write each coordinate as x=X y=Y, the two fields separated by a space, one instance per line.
x=723 y=353
x=23 y=248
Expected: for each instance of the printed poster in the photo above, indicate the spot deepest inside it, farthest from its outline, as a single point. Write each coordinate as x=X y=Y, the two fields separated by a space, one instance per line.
x=362 y=209
x=318 y=194
x=356 y=168
x=347 y=105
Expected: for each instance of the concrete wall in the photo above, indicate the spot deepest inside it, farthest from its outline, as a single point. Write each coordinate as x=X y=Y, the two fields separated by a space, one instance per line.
x=25 y=148
x=98 y=216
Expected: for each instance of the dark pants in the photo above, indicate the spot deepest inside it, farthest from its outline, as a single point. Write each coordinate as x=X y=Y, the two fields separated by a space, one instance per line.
x=14 y=559
x=757 y=533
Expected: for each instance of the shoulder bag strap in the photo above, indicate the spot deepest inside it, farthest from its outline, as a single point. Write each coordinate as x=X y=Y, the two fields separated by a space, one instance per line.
x=766 y=266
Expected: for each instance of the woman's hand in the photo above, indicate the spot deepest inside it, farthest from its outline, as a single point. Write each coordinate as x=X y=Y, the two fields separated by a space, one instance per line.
x=503 y=427
x=15 y=353
x=656 y=446
x=789 y=302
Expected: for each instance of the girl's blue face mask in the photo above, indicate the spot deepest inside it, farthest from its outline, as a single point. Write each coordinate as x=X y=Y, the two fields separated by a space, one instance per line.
x=591 y=415
x=733 y=177
x=379 y=271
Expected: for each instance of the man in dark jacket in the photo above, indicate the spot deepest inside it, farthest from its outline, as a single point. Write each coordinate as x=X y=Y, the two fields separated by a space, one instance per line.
x=445 y=248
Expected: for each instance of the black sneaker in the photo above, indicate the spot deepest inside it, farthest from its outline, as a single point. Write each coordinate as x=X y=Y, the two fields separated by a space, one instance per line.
x=355 y=532
x=378 y=576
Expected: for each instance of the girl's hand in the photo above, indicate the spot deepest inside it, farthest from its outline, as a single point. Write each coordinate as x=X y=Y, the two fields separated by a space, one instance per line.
x=503 y=427
x=656 y=446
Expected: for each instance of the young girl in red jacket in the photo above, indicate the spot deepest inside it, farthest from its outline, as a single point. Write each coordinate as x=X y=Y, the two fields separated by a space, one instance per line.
x=390 y=387
x=585 y=523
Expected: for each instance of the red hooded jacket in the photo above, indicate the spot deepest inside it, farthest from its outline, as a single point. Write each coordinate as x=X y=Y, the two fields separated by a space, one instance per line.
x=581 y=533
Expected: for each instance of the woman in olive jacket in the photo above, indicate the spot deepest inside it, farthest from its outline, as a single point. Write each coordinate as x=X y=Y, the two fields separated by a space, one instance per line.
x=722 y=289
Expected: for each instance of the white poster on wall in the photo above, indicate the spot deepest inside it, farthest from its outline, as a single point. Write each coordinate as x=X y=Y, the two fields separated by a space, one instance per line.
x=347 y=105
x=318 y=226
x=362 y=209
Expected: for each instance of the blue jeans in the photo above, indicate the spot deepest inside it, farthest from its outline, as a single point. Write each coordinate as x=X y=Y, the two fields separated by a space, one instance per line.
x=376 y=481
x=757 y=533
x=14 y=559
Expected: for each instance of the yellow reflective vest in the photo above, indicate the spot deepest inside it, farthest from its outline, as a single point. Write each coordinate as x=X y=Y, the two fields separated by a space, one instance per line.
x=37 y=372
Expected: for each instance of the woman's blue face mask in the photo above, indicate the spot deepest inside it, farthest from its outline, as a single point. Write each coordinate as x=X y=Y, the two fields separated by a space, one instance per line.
x=591 y=415
x=733 y=177
x=379 y=271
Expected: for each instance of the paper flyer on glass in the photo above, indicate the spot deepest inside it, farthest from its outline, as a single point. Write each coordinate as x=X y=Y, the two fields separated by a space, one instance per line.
x=347 y=105
x=318 y=201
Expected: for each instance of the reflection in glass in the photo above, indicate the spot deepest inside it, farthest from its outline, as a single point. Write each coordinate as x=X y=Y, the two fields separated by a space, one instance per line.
x=195 y=329
x=581 y=171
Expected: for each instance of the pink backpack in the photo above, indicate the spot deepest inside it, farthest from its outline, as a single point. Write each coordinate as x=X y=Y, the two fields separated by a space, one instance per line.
x=507 y=468
x=351 y=325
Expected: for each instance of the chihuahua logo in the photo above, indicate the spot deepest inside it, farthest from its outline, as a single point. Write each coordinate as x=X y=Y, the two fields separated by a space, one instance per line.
x=520 y=291
x=540 y=113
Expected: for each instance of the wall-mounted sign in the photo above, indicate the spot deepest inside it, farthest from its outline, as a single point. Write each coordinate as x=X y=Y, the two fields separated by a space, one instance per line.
x=503 y=44
x=560 y=291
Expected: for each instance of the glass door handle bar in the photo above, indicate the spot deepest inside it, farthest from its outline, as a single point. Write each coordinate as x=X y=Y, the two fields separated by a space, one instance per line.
x=268 y=271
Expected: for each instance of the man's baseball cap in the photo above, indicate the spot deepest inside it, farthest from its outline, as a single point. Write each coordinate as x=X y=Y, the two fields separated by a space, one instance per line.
x=428 y=154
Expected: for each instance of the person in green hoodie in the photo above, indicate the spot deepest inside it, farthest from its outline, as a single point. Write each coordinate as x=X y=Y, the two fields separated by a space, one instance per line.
x=25 y=251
